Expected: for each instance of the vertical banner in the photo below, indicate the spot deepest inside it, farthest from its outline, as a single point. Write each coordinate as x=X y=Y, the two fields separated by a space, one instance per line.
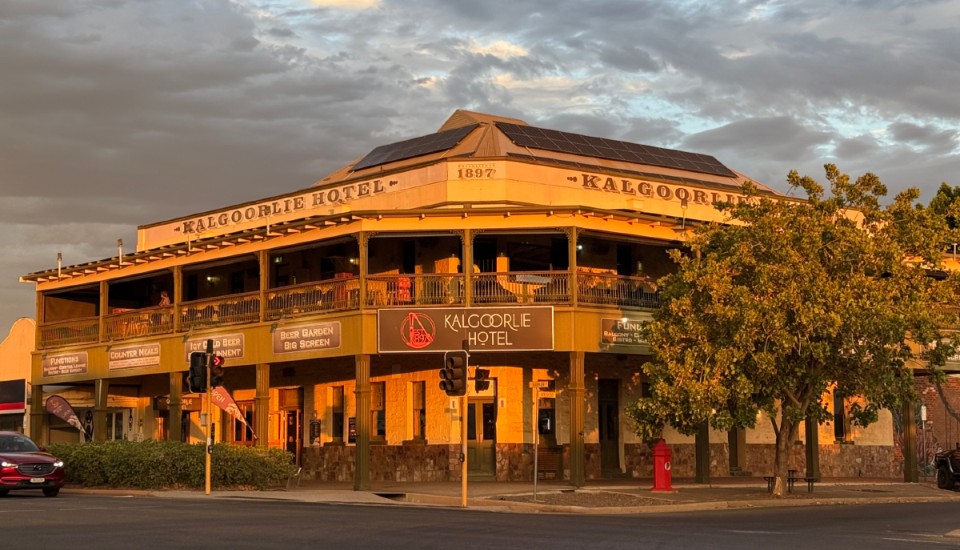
x=61 y=408
x=221 y=398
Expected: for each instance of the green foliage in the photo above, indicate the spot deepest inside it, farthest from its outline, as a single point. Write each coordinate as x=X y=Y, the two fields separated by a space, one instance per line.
x=769 y=310
x=170 y=464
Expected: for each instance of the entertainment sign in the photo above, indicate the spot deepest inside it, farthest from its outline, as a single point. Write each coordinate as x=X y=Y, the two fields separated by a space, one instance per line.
x=484 y=329
x=65 y=363
x=230 y=346
x=314 y=336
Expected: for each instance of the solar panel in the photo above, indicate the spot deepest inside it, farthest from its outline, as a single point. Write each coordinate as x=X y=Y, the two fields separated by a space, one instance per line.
x=418 y=146
x=577 y=144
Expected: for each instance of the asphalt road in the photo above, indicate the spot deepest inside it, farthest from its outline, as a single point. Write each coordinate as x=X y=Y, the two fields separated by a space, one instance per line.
x=30 y=521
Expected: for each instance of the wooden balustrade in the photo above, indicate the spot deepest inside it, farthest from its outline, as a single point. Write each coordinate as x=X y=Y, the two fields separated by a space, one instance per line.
x=74 y=331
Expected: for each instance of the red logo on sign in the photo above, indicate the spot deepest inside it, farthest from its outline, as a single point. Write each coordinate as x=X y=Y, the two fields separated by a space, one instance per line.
x=417 y=330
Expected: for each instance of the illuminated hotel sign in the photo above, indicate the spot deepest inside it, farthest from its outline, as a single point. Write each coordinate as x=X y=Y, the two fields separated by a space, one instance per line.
x=484 y=329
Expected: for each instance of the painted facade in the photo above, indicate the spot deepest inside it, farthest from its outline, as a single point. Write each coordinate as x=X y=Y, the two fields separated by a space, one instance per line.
x=334 y=305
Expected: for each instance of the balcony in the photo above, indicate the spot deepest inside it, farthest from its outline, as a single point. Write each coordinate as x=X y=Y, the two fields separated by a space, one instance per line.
x=343 y=294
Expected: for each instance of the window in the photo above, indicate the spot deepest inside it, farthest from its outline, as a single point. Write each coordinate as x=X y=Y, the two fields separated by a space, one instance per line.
x=839 y=417
x=419 y=409
x=241 y=433
x=378 y=410
x=336 y=425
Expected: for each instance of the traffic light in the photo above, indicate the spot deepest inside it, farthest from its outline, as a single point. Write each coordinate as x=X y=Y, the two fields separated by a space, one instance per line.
x=197 y=378
x=216 y=370
x=481 y=380
x=453 y=375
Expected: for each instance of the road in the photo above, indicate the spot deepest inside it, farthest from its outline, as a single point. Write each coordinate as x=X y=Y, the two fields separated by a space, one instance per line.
x=79 y=521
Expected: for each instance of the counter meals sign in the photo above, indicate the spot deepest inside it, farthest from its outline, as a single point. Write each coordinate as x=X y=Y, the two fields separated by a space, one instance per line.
x=484 y=329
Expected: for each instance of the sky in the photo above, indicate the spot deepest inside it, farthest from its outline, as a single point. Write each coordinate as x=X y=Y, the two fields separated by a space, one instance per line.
x=119 y=113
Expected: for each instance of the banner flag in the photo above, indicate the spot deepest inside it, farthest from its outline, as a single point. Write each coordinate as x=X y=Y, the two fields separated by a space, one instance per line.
x=221 y=398
x=60 y=407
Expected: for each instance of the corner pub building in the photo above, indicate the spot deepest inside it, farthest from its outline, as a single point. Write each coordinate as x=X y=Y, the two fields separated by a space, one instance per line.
x=333 y=306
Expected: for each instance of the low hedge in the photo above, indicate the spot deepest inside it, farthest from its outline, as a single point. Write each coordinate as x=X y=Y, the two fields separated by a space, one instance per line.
x=170 y=464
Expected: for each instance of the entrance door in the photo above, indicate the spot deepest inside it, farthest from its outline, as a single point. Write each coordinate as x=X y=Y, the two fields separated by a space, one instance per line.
x=293 y=433
x=609 y=425
x=481 y=437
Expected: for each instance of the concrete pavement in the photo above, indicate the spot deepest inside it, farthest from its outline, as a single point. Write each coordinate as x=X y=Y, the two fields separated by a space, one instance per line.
x=597 y=497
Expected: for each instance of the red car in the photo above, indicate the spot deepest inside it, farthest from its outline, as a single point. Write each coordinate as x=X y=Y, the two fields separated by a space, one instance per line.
x=24 y=465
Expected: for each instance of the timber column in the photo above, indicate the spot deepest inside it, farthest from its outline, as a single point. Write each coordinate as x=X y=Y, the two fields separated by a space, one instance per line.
x=812 y=429
x=577 y=393
x=702 y=444
x=911 y=472
x=361 y=475
x=38 y=416
x=261 y=405
x=175 y=407
x=101 y=389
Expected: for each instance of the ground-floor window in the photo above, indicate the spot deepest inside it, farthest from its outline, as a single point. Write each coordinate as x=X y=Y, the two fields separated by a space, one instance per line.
x=419 y=409
x=378 y=410
x=336 y=405
x=242 y=434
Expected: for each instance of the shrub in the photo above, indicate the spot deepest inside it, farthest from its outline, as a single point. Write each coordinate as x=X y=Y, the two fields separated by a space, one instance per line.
x=170 y=464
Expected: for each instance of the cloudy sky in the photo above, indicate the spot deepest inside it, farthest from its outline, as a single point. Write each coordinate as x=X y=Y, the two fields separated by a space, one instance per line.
x=115 y=113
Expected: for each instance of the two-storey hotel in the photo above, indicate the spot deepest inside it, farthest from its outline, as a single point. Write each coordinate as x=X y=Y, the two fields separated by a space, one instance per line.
x=537 y=249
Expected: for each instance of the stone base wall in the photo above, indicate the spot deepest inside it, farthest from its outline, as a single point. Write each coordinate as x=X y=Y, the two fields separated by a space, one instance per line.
x=515 y=462
x=387 y=463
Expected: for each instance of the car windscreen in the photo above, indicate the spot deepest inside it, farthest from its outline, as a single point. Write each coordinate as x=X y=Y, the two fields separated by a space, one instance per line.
x=17 y=444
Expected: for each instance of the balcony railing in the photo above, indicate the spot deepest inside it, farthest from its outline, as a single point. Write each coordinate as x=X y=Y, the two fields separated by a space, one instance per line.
x=424 y=289
x=124 y=323
x=343 y=293
x=223 y=310
x=616 y=290
x=328 y=295
x=549 y=287
x=74 y=331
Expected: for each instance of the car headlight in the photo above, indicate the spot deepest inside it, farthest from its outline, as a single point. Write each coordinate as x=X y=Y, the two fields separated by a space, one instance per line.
x=58 y=464
x=6 y=464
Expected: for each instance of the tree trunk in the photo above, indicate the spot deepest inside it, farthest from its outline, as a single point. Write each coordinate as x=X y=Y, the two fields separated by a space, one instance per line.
x=781 y=460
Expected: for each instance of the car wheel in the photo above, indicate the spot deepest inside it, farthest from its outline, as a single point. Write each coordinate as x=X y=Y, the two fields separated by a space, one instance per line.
x=945 y=479
x=51 y=492
x=4 y=492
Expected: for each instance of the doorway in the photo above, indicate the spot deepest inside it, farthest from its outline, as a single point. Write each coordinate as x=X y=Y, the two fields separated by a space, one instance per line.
x=481 y=438
x=608 y=417
x=291 y=425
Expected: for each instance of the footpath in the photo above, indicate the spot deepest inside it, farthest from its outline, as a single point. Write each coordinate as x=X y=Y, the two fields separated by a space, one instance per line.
x=597 y=497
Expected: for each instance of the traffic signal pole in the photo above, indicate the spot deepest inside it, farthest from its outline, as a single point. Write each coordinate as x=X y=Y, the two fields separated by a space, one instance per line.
x=463 y=451
x=209 y=407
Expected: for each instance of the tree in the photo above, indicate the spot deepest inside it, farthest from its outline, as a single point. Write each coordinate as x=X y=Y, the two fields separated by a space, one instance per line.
x=789 y=298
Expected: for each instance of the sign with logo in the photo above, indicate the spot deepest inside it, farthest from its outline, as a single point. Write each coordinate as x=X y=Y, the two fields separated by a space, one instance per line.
x=230 y=346
x=135 y=356
x=621 y=332
x=65 y=363
x=484 y=329
x=313 y=336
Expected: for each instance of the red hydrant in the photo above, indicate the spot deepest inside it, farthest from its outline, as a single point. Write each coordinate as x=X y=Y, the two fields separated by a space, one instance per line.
x=661 y=467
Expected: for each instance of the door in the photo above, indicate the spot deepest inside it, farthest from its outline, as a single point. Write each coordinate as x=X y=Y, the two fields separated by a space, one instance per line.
x=481 y=437
x=608 y=411
x=293 y=433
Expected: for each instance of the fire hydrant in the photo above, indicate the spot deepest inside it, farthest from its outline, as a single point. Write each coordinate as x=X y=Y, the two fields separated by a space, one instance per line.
x=661 y=467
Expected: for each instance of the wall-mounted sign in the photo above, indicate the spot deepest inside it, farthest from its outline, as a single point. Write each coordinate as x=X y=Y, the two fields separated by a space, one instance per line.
x=621 y=332
x=307 y=337
x=484 y=329
x=65 y=363
x=230 y=346
x=186 y=403
x=134 y=356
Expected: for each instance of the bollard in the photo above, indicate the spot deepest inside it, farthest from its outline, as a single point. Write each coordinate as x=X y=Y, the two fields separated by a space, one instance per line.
x=661 y=468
